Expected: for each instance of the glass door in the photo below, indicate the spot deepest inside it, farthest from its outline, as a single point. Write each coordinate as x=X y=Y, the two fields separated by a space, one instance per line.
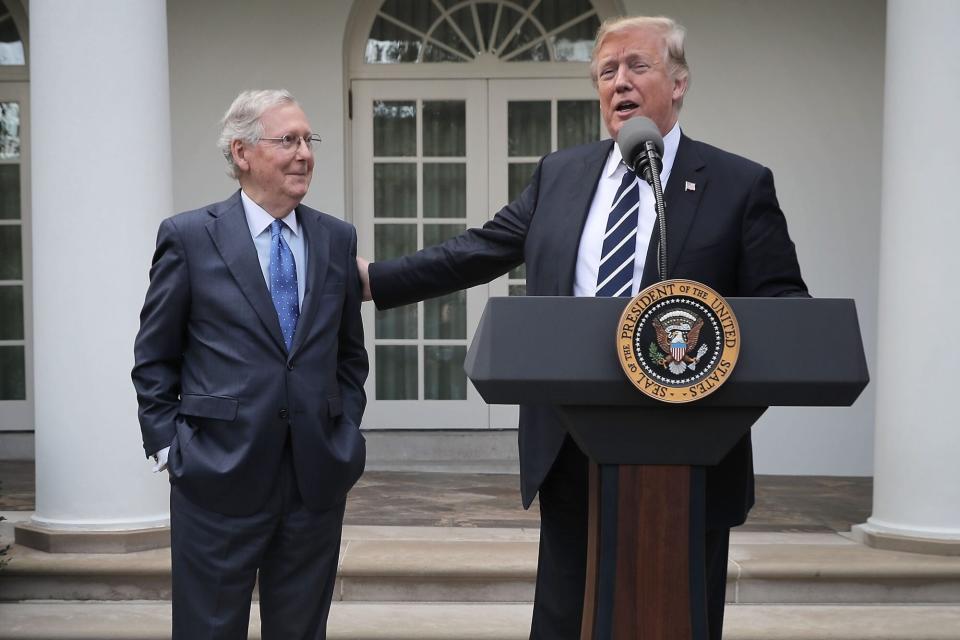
x=16 y=378
x=419 y=172
x=529 y=119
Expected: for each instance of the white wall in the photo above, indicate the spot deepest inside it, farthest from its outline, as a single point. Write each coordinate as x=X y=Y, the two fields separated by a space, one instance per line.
x=221 y=47
x=797 y=86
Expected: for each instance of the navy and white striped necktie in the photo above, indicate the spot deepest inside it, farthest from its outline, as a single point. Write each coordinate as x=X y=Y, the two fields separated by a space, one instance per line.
x=615 y=275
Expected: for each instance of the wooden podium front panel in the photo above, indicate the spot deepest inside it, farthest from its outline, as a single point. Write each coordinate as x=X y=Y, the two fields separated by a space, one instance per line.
x=652 y=599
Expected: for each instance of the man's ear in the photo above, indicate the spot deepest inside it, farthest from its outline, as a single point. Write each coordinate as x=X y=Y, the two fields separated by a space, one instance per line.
x=239 y=151
x=679 y=88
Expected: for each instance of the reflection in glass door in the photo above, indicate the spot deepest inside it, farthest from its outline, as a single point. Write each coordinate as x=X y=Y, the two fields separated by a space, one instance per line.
x=420 y=169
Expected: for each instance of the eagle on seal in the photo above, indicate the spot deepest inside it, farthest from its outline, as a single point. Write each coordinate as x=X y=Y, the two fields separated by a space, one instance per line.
x=675 y=346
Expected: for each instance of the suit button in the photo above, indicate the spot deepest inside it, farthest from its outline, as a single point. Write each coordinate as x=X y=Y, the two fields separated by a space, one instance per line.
x=284 y=413
x=289 y=367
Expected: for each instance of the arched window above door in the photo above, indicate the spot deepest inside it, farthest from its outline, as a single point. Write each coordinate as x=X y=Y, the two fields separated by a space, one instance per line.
x=464 y=31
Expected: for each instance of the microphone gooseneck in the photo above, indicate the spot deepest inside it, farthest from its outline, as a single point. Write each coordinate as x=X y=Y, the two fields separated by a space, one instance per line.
x=641 y=146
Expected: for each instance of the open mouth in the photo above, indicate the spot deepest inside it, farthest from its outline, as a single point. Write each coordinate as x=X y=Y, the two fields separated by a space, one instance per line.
x=626 y=107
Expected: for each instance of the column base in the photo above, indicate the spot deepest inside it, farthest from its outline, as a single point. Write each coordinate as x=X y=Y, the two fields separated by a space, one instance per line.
x=881 y=538
x=58 y=540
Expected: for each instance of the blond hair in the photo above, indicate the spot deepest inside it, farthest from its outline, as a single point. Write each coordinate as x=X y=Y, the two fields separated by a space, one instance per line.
x=674 y=37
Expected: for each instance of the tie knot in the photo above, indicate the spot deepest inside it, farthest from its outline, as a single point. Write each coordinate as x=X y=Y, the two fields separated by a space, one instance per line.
x=275 y=228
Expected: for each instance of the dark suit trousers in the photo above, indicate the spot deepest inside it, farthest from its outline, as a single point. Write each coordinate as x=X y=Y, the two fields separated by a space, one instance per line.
x=216 y=560
x=561 y=569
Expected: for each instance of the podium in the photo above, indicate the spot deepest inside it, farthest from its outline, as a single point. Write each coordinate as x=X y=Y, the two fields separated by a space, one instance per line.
x=645 y=576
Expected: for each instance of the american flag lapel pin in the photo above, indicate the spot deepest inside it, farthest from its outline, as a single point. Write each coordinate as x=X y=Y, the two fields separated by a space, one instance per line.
x=689 y=186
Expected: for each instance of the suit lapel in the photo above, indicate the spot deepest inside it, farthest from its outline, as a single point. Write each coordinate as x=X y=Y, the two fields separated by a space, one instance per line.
x=231 y=236
x=681 y=204
x=317 y=241
x=576 y=200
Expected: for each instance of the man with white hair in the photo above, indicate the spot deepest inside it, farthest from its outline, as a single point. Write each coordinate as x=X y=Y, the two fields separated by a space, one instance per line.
x=724 y=228
x=249 y=372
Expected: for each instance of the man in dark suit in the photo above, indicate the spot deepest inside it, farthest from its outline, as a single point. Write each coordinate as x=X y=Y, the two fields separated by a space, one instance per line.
x=249 y=372
x=724 y=228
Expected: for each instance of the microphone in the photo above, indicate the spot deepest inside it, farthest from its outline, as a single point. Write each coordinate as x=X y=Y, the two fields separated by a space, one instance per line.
x=641 y=146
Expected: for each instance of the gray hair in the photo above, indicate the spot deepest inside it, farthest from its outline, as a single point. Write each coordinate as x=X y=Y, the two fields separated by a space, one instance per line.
x=674 y=36
x=242 y=120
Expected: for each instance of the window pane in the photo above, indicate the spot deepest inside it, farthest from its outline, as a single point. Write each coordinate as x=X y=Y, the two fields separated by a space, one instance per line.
x=391 y=241
x=10 y=253
x=518 y=290
x=433 y=53
x=9 y=191
x=419 y=15
x=396 y=372
x=443 y=375
x=445 y=33
x=388 y=43
x=508 y=20
x=395 y=190
x=464 y=19
x=528 y=33
x=518 y=175
x=486 y=12
x=444 y=128
x=553 y=13
x=11 y=45
x=528 y=128
x=445 y=318
x=12 y=374
x=444 y=190
x=394 y=128
x=11 y=313
x=576 y=43
x=578 y=122
x=9 y=130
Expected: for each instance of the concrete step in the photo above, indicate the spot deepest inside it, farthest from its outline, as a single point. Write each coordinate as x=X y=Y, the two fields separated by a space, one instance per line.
x=457 y=621
x=391 y=564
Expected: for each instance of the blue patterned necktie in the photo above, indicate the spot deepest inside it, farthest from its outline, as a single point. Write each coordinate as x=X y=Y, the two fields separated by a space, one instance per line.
x=283 y=282
x=615 y=275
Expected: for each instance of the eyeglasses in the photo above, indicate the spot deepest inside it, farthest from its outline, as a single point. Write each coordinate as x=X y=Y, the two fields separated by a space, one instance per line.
x=291 y=142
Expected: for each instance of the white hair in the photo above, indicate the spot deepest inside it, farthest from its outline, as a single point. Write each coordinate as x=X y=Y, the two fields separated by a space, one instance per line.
x=242 y=120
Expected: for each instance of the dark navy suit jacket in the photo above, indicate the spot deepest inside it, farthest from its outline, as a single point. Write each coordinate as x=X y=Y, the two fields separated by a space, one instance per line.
x=727 y=232
x=215 y=381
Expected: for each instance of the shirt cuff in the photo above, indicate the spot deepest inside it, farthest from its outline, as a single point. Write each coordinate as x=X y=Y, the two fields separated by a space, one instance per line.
x=160 y=458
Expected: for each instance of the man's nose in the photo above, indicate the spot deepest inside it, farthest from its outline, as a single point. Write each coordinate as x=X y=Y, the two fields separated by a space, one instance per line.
x=303 y=149
x=620 y=81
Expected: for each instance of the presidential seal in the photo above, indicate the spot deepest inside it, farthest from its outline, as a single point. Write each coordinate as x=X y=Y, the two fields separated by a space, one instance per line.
x=678 y=341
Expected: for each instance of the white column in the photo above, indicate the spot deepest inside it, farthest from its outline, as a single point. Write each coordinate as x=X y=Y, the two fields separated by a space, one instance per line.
x=101 y=176
x=916 y=501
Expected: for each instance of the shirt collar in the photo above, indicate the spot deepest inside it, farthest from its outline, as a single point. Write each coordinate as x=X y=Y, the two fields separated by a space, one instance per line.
x=671 y=142
x=259 y=220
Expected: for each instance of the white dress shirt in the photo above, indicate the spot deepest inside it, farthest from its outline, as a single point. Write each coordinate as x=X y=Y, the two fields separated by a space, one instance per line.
x=591 y=241
x=259 y=221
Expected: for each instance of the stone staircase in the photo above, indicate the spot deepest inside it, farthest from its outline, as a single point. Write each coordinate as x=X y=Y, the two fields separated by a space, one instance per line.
x=433 y=583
